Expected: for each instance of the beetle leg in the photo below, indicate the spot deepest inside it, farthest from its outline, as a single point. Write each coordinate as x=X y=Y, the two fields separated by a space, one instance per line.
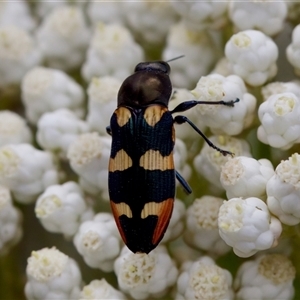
x=184 y=184
x=184 y=119
x=189 y=104
x=108 y=130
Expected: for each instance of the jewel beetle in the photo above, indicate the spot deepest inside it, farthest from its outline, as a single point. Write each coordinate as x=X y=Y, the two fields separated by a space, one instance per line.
x=142 y=176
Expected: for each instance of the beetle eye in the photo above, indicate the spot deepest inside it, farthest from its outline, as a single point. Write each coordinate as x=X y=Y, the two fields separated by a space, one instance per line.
x=155 y=66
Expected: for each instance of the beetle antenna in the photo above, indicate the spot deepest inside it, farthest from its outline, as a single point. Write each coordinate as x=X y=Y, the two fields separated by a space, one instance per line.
x=177 y=57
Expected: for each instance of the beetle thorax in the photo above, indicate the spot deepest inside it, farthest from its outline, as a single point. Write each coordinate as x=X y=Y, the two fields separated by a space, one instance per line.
x=144 y=88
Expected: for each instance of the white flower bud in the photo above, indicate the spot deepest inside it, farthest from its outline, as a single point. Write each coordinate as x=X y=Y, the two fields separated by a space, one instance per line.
x=102 y=101
x=13 y=129
x=44 y=8
x=283 y=191
x=280 y=123
x=112 y=51
x=209 y=162
x=266 y=16
x=107 y=12
x=222 y=119
x=58 y=37
x=281 y=87
x=145 y=275
x=99 y=242
x=267 y=277
x=293 y=50
x=152 y=27
x=26 y=171
x=89 y=155
x=100 y=289
x=45 y=90
x=203 y=279
x=200 y=15
x=16 y=14
x=18 y=54
x=10 y=222
x=246 y=177
x=58 y=129
x=202 y=229
x=52 y=275
x=252 y=56
x=247 y=226
x=199 y=55
x=61 y=208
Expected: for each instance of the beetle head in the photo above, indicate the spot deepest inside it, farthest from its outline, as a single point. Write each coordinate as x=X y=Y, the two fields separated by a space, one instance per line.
x=150 y=84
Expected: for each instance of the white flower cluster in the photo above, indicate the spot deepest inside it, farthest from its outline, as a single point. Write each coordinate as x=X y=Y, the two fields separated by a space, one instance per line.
x=10 y=219
x=100 y=289
x=247 y=226
x=269 y=276
x=45 y=90
x=252 y=55
x=283 y=191
x=52 y=275
x=62 y=65
x=203 y=279
x=199 y=55
x=202 y=230
x=26 y=171
x=112 y=51
x=62 y=202
x=61 y=28
x=145 y=276
x=221 y=119
x=99 y=242
x=18 y=54
x=279 y=117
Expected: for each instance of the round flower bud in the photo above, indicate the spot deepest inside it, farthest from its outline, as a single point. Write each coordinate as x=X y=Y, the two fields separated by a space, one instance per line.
x=283 y=191
x=45 y=90
x=202 y=230
x=247 y=226
x=203 y=279
x=269 y=276
x=266 y=16
x=18 y=54
x=61 y=208
x=52 y=275
x=99 y=242
x=246 y=177
x=222 y=119
x=199 y=54
x=100 y=289
x=112 y=51
x=58 y=37
x=13 y=129
x=102 y=100
x=58 y=129
x=252 y=56
x=208 y=162
x=89 y=155
x=26 y=171
x=145 y=275
x=293 y=50
x=10 y=222
x=280 y=123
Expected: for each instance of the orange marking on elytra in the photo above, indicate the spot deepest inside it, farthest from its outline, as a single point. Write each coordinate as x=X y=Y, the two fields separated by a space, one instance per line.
x=153 y=114
x=153 y=160
x=164 y=211
x=123 y=115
